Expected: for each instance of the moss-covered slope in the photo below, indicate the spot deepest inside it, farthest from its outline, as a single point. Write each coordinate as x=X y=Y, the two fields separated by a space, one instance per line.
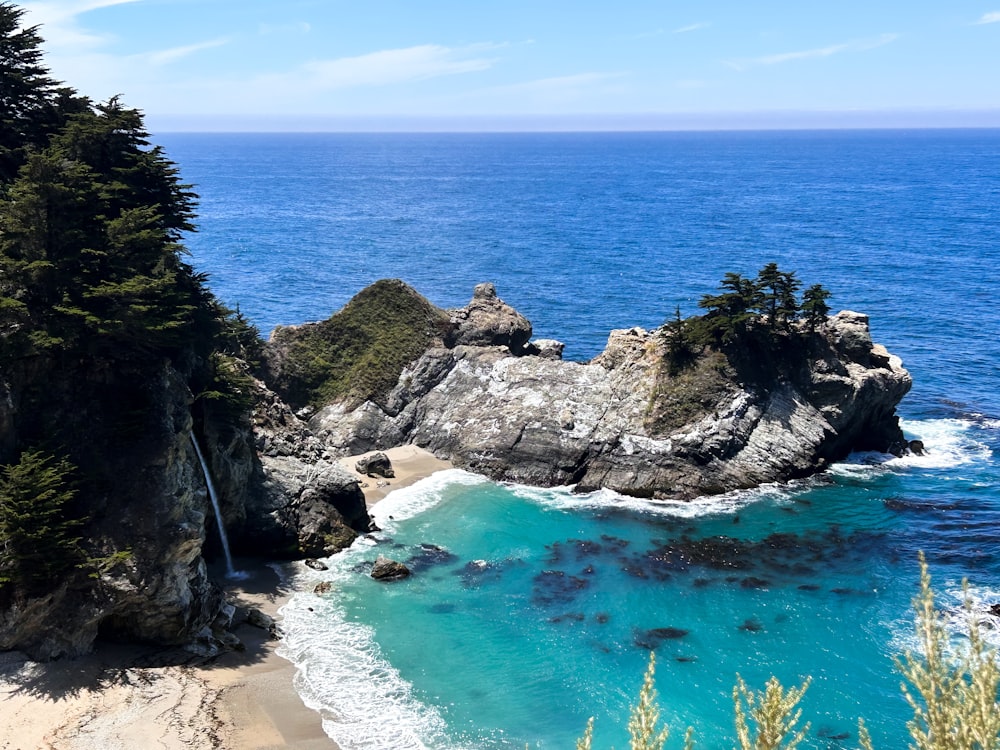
x=358 y=354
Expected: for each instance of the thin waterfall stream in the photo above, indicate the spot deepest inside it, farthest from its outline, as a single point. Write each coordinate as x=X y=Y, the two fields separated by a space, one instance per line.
x=213 y=495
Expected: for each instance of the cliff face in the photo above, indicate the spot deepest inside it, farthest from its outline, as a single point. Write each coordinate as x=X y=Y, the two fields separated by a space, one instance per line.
x=755 y=414
x=146 y=579
x=149 y=523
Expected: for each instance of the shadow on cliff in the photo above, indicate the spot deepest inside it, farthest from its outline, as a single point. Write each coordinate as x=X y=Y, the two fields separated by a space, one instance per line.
x=124 y=665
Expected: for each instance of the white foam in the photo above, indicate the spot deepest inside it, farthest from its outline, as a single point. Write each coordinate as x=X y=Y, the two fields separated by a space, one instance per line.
x=949 y=598
x=420 y=497
x=364 y=702
x=947 y=442
x=563 y=498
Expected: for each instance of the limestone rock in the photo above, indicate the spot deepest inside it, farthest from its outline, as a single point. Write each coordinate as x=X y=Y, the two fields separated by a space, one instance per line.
x=738 y=423
x=299 y=501
x=546 y=348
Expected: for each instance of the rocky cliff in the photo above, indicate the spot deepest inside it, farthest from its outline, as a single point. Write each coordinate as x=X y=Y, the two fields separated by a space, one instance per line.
x=146 y=523
x=768 y=409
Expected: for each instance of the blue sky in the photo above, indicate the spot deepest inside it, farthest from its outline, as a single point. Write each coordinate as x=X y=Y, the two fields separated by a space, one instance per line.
x=512 y=64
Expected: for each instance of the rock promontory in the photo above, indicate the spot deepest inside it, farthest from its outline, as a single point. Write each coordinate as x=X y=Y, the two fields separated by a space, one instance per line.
x=768 y=407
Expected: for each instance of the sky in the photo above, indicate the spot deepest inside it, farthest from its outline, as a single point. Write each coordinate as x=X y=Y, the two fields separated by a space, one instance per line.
x=538 y=65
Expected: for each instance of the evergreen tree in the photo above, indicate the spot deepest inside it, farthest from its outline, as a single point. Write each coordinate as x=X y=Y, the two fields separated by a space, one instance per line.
x=38 y=540
x=32 y=105
x=776 y=295
x=88 y=244
x=814 y=305
x=680 y=348
x=730 y=312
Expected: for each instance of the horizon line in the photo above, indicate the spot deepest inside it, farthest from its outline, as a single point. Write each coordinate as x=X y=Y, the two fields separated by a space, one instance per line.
x=774 y=120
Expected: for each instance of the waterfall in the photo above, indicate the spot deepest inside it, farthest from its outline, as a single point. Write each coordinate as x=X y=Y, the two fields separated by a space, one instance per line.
x=230 y=572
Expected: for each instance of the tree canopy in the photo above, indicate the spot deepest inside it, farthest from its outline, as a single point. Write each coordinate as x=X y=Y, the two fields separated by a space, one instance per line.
x=769 y=299
x=95 y=297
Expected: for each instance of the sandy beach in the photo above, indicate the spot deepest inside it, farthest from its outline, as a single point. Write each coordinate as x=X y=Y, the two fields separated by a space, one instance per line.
x=124 y=697
x=409 y=463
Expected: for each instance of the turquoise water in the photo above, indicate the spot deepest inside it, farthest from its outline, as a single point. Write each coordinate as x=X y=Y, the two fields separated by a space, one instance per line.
x=542 y=607
x=531 y=610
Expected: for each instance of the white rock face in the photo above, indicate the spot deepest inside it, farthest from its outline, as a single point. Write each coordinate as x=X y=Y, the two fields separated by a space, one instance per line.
x=540 y=420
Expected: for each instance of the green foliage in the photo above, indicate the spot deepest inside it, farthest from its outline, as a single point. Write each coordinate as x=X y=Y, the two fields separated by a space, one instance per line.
x=769 y=299
x=31 y=104
x=681 y=396
x=680 y=349
x=230 y=390
x=38 y=537
x=954 y=698
x=814 y=306
x=730 y=312
x=238 y=337
x=101 y=566
x=772 y=712
x=776 y=290
x=359 y=353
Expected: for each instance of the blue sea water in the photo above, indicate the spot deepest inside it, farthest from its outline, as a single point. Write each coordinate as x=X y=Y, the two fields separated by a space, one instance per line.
x=543 y=606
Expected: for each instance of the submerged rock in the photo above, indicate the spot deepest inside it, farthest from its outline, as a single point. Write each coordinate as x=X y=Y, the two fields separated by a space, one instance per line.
x=385 y=569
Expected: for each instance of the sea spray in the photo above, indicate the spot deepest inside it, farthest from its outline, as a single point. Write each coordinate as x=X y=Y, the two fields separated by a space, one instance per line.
x=230 y=571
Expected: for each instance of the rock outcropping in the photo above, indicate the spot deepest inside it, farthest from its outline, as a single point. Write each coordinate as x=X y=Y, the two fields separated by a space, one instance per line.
x=513 y=410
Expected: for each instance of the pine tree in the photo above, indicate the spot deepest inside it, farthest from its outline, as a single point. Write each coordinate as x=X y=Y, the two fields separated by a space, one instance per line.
x=679 y=347
x=32 y=105
x=730 y=312
x=814 y=305
x=776 y=295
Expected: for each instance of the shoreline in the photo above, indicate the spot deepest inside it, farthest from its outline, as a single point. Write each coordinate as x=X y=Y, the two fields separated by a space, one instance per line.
x=141 y=696
x=409 y=463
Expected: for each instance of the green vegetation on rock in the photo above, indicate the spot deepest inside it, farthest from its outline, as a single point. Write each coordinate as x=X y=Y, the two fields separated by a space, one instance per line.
x=359 y=353
x=105 y=329
x=39 y=538
x=750 y=334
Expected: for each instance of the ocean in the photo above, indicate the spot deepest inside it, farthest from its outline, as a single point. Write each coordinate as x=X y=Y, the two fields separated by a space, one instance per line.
x=531 y=610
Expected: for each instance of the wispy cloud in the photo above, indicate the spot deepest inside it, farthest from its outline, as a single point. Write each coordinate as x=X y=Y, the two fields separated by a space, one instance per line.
x=646 y=34
x=991 y=17
x=857 y=45
x=391 y=66
x=167 y=56
x=59 y=21
x=691 y=27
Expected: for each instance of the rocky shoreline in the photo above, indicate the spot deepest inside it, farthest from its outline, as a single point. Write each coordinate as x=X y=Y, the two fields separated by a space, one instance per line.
x=489 y=400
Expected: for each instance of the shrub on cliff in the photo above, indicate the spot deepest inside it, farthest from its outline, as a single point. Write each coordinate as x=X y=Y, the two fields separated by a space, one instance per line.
x=39 y=538
x=359 y=353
